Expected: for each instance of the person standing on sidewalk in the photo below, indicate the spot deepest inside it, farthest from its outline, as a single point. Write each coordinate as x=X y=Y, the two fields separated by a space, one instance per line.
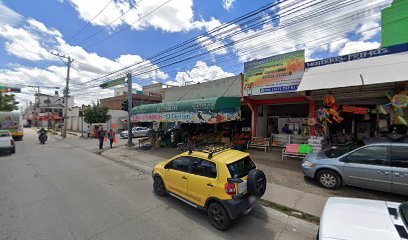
x=101 y=137
x=111 y=136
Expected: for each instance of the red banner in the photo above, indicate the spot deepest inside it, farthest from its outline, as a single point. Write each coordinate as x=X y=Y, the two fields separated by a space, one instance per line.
x=355 y=110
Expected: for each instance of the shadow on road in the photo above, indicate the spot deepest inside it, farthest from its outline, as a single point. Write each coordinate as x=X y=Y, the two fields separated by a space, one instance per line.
x=247 y=227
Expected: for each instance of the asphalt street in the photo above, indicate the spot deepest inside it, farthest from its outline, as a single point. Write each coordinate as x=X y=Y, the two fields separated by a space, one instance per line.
x=60 y=191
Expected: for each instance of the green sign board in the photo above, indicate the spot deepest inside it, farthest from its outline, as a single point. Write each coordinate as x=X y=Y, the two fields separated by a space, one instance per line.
x=209 y=110
x=207 y=104
x=113 y=83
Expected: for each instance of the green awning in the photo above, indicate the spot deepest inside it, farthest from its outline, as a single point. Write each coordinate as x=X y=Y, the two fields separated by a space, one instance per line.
x=198 y=110
x=207 y=104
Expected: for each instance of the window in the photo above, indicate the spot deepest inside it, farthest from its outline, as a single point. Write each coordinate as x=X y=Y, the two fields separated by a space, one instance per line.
x=181 y=164
x=374 y=155
x=241 y=167
x=399 y=156
x=4 y=134
x=203 y=168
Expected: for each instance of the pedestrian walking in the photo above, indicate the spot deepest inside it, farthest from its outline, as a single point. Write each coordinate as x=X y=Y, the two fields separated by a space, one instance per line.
x=101 y=137
x=88 y=131
x=111 y=136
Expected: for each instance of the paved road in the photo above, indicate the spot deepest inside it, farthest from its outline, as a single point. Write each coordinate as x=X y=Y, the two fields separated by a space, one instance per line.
x=59 y=191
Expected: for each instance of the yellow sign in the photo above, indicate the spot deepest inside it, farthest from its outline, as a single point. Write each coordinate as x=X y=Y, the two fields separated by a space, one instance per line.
x=277 y=74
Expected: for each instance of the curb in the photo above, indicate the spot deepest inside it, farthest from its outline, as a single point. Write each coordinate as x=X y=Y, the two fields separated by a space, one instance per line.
x=139 y=167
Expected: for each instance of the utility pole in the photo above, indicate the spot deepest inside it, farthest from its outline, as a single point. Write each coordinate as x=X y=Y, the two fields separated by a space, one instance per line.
x=48 y=112
x=130 y=104
x=66 y=90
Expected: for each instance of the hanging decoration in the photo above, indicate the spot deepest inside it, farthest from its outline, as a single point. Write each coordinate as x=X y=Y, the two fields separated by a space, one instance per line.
x=331 y=110
x=397 y=105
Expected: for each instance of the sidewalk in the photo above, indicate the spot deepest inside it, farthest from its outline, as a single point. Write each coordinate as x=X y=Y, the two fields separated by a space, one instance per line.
x=288 y=197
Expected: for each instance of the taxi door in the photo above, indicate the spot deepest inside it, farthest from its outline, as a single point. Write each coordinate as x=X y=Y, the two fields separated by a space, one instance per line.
x=202 y=180
x=177 y=172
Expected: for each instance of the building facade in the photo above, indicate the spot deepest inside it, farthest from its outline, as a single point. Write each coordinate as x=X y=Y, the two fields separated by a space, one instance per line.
x=47 y=110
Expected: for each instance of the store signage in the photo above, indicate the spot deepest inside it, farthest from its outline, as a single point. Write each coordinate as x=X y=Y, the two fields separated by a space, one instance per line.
x=276 y=74
x=355 y=110
x=188 y=117
x=113 y=83
x=360 y=55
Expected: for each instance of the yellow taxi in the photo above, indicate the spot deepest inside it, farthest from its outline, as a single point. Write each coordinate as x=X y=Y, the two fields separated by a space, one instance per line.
x=223 y=182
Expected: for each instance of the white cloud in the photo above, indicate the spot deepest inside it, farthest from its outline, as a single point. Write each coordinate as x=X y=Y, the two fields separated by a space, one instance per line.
x=173 y=16
x=358 y=46
x=215 y=46
x=23 y=43
x=335 y=46
x=227 y=4
x=200 y=73
x=368 y=30
x=35 y=41
x=42 y=28
x=9 y=16
x=308 y=29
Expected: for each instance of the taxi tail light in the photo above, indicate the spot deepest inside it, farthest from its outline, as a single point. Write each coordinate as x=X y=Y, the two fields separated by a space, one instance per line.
x=230 y=189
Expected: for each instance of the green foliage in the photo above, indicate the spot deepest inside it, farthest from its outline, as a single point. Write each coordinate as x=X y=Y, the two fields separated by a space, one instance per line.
x=96 y=114
x=8 y=103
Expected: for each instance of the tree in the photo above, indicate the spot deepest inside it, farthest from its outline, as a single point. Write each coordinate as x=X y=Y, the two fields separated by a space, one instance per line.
x=96 y=114
x=8 y=103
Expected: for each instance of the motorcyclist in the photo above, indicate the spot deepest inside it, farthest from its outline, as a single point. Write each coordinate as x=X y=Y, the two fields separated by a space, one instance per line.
x=42 y=133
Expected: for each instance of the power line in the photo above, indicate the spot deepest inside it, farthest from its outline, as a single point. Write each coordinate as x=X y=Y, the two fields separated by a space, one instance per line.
x=127 y=26
x=199 y=54
x=90 y=21
x=114 y=20
x=181 y=44
x=162 y=61
x=177 y=62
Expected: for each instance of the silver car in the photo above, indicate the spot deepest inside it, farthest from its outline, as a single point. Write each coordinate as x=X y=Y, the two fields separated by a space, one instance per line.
x=382 y=166
x=140 y=131
x=136 y=132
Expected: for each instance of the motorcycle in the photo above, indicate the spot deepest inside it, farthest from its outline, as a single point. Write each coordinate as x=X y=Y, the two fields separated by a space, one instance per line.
x=43 y=138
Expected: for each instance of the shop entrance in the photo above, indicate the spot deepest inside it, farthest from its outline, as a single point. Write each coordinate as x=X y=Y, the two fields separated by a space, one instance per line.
x=281 y=119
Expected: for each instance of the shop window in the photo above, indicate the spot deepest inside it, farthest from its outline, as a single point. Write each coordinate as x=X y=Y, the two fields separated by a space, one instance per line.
x=399 y=156
x=203 y=168
x=374 y=155
x=181 y=164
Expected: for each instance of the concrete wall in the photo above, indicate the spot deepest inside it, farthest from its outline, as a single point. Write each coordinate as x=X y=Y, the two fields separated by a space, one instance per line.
x=117 y=115
x=74 y=122
x=230 y=85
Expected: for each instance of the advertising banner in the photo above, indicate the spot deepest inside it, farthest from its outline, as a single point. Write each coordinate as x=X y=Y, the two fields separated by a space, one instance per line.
x=276 y=74
x=188 y=117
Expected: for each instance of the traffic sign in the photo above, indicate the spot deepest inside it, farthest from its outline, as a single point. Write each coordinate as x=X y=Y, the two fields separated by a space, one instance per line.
x=113 y=83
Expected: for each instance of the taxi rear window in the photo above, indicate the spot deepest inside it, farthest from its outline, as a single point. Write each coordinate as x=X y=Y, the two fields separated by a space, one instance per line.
x=241 y=167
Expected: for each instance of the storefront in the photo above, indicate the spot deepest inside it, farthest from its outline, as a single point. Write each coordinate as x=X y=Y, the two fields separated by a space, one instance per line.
x=269 y=89
x=202 y=120
x=368 y=92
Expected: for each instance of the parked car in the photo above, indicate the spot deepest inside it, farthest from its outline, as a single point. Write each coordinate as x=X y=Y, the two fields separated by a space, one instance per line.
x=362 y=219
x=224 y=183
x=7 y=142
x=140 y=131
x=382 y=166
x=136 y=131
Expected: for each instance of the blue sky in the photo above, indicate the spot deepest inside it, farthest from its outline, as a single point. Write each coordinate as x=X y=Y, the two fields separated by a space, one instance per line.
x=29 y=30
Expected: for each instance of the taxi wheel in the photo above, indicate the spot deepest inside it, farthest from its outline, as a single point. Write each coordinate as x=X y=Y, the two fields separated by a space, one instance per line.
x=159 y=187
x=218 y=216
